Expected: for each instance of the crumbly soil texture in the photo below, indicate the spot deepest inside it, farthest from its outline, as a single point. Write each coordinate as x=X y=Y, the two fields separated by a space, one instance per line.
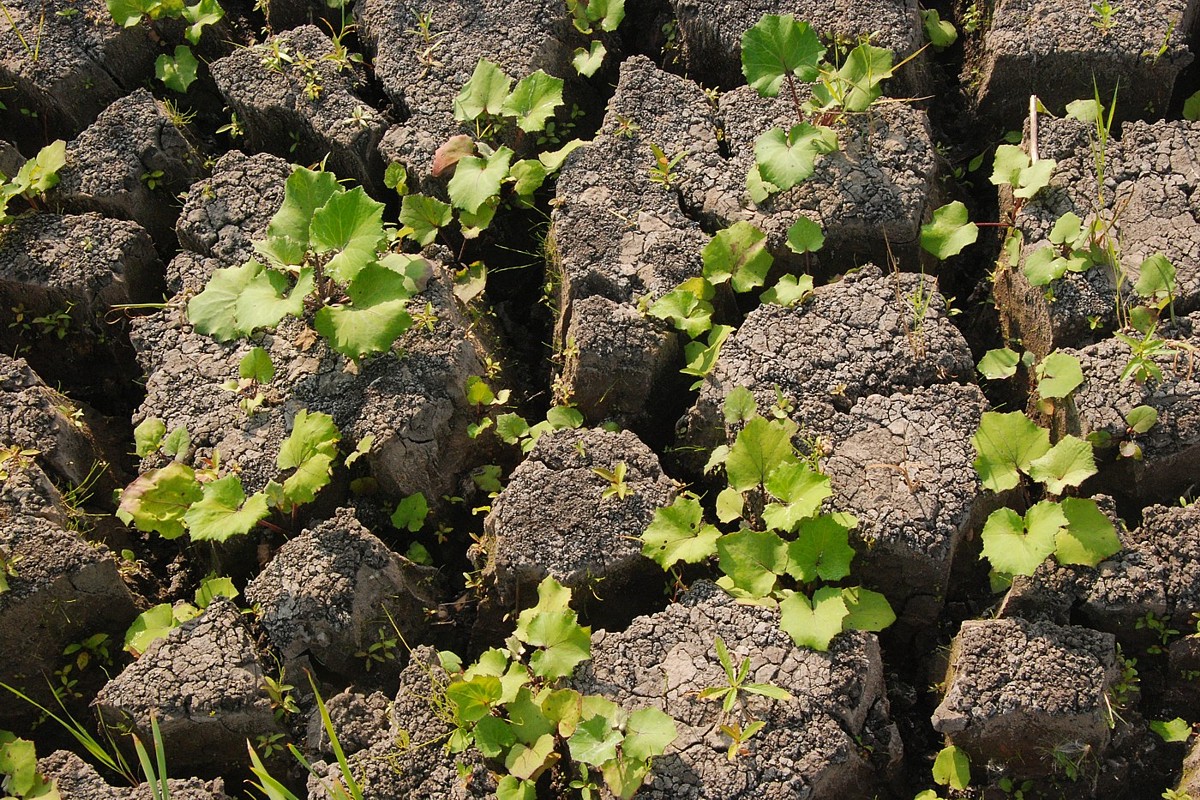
x=442 y=516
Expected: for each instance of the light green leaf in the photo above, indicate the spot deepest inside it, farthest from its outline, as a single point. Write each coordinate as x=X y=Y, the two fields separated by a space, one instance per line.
x=1086 y=111
x=528 y=176
x=778 y=46
x=1191 y=107
x=534 y=101
x=587 y=62
x=786 y=159
x=257 y=366
x=200 y=16
x=753 y=560
x=999 y=364
x=949 y=231
x=151 y=625
x=304 y=192
x=1059 y=374
x=648 y=733
x=686 y=310
x=177 y=442
x=212 y=588
x=594 y=742
x=701 y=357
x=805 y=236
x=312 y=435
x=424 y=216
x=1017 y=546
x=529 y=723
x=178 y=71
x=484 y=93
x=350 y=223
x=224 y=511
x=1005 y=445
x=678 y=533
x=40 y=174
x=760 y=447
x=156 y=501
x=126 y=13
x=511 y=788
x=952 y=768
x=941 y=33
x=411 y=512
x=528 y=762
x=869 y=611
x=1089 y=537
x=147 y=436
x=813 y=624
x=553 y=159
x=1176 y=730
x=1044 y=266
x=239 y=299
x=375 y=317
x=802 y=490
x=738 y=254
x=553 y=627
x=1068 y=463
x=1140 y=419
x=625 y=776
x=1156 y=278
x=739 y=405
x=473 y=699
x=493 y=736
x=476 y=181
x=821 y=550
x=858 y=82
x=789 y=290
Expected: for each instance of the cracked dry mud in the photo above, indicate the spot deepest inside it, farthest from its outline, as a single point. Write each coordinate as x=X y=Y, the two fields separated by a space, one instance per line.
x=1048 y=687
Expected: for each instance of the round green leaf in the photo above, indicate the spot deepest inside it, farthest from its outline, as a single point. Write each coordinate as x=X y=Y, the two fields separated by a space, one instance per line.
x=952 y=768
x=805 y=236
x=737 y=254
x=648 y=733
x=484 y=93
x=350 y=224
x=999 y=364
x=949 y=231
x=821 y=550
x=224 y=511
x=1005 y=445
x=786 y=159
x=869 y=611
x=1089 y=537
x=1059 y=374
x=1068 y=463
x=813 y=624
x=678 y=533
x=534 y=101
x=179 y=71
x=753 y=560
x=157 y=501
x=777 y=46
x=1017 y=546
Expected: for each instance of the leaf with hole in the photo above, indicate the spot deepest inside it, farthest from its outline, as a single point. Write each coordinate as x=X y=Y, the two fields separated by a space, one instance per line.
x=952 y=768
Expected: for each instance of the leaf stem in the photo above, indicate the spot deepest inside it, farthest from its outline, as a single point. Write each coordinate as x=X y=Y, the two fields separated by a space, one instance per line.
x=795 y=96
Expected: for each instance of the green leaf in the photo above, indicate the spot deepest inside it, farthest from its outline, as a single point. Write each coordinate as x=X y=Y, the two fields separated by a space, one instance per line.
x=257 y=366
x=18 y=762
x=239 y=299
x=587 y=62
x=528 y=176
x=212 y=588
x=805 y=236
x=1191 y=106
x=224 y=511
x=411 y=512
x=1005 y=445
x=949 y=231
x=473 y=699
x=179 y=71
x=552 y=626
x=1068 y=463
x=687 y=307
x=304 y=192
x=869 y=611
x=1012 y=167
x=648 y=733
x=476 y=181
x=1089 y=537
x=1059 y=374
x=789 y=290
x=424 y=216
x=528 y=762
x=151 y=625
x=1044 y=266
x=484 y=93
x=594 y=742
x=786 y=159
x=778 y=46
x=999 y=364
x=494 y=736
x=534 y=101
x=760 y=447
x=126 y=13
x=1086 y=111
x=678 y=533
x=821 y=549
x=625 y=776
x=177 y=442
x=511 y=788
x=738 y=253
x=1139 y=420
x=701 y=357
x=802 y=490
x=147 y=436
x=1156 y=277
x=350 y=223
x=813 y=624
x=312 y=435
x=753 y=560
x=40 y=174
x=156 y=501
x=554 y=159
x=200 y=16
x=952 y=768
x=374 y=319
x=941 y=33
x=739 y=405
x=857 y=83
x=1176 y=730
x=1017 y=546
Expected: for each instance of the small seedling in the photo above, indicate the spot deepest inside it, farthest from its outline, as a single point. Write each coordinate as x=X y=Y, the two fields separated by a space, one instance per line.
x=736 y=682
x=380 y=651
x=738 y=736
x=1105 y=15
x=616 y=479
x=662 y=170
